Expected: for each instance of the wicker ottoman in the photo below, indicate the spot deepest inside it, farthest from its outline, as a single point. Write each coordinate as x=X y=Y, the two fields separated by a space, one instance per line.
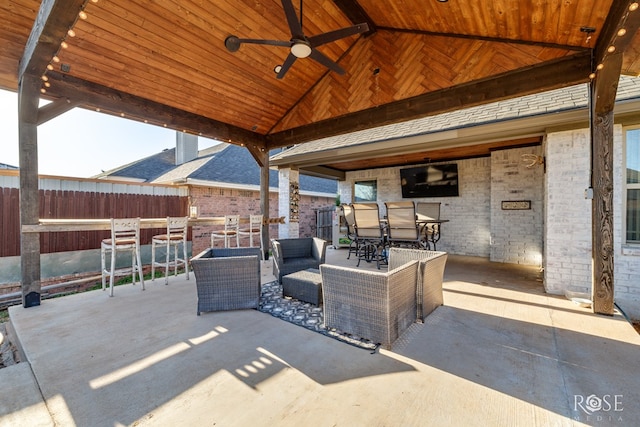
x=304 y=285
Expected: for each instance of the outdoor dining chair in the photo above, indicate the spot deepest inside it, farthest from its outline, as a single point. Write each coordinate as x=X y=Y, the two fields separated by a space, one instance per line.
x=231 y=224
x=370 y=232
x=347 y=211
x=175 y=236
x=125 y=237
x=402 y=229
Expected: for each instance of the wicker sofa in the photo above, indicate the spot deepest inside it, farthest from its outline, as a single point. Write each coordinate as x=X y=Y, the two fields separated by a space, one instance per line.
x=430 y=275
x=227 y=279
x=297 y=254
x=374 y=305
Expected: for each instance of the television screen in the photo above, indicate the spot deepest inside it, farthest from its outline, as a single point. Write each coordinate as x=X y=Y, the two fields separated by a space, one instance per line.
x=430 y=181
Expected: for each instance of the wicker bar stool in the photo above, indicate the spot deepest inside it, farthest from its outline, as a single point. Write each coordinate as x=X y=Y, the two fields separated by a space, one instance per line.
x=175 y=236
x=125 y=237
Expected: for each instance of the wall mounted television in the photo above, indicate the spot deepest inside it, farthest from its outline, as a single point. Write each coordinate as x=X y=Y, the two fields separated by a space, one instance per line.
x=430 y=181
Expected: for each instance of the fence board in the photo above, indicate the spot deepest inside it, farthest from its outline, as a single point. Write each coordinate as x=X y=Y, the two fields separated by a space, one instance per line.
x=77 y=204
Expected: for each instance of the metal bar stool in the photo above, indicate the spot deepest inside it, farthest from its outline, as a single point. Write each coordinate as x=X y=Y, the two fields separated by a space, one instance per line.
x=254 y=229
x=175 y=236
x=125 y=237
x=231 y=223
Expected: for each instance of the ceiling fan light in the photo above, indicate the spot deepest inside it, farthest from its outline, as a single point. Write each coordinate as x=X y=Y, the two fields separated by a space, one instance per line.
x=301 y=50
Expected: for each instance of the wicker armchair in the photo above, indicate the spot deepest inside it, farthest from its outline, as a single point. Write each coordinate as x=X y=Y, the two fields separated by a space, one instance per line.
x=430 y=275
x=227 y=279
x=291 y=255
x=374 y=305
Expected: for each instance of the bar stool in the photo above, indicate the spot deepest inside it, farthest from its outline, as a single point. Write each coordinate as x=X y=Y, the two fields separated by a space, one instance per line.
x=254 y=229
x=175 y=236
x=231 y=223
x=125 y=237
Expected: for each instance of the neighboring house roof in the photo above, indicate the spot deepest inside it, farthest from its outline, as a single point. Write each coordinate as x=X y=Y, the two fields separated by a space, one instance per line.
x=565 y=99
x=221 y=163
x=6 y=166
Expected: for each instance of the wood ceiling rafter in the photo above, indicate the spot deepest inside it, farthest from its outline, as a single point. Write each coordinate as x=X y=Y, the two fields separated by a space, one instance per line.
x=485 y=38
x=133 y=107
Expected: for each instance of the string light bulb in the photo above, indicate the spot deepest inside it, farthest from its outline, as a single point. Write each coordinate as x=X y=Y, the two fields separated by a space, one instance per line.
x=633 y=6
x=622 y=32
x=600 y=66
x=64 y=44
x=71 y=33
x=55 y=59
x=49 y=67
x=611 y=49
x=592 y=76
x=82 y=15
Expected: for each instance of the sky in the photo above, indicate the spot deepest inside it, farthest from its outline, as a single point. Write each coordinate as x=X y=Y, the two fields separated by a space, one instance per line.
x=82 y=143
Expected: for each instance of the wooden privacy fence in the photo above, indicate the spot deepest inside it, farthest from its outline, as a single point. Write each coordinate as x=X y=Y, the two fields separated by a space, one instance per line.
x=77 y=204
x=324 y=223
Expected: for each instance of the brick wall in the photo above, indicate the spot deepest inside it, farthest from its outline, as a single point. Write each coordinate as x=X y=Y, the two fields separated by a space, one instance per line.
x=217 y=201
x=516 y=235
x=567 y=253
x=468 y=229
x=626 y=269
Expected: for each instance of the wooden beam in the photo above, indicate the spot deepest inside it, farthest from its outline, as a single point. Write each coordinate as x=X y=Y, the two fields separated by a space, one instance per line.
x=264 y=200
x=258 y=155
x=55 y=18
x=604 y=89
x=111 y=101
x=356 y=14
x=485 y=38
x=619 y=17
x=54 y=109
x=550 y=75
x=28 y=99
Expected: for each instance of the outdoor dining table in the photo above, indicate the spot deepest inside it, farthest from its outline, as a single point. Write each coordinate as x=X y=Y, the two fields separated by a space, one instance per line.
x=433 y=224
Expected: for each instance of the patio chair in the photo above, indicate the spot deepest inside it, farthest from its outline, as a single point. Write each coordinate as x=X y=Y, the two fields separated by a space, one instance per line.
x=430 y=276
x=347 y=211
x=370 y=232
x=175 y=236
x=227 y=279
x=297 y=254
x=125 y=237
x=253 y=230
x=426 y=211
x=378 y=306
x=402 y=229
x=231 y=224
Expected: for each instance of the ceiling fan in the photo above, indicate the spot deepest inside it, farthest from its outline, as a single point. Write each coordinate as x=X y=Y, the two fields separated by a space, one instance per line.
x=300 y=45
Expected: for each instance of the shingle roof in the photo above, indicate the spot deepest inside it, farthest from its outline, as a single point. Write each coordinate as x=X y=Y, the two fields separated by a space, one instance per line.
x=223 y=163
x=569 y=98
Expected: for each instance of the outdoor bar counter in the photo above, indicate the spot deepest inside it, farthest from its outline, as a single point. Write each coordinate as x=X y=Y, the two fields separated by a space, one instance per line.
x=77 y=224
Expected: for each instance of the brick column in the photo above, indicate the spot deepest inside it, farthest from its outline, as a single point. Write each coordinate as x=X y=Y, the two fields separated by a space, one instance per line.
x=289 y=202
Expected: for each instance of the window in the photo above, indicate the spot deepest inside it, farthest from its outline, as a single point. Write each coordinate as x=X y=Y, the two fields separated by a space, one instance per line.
x=366 y=191
x=633 y=185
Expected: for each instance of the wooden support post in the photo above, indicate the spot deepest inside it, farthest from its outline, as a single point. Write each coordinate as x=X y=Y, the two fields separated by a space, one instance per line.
x=603 y=95
x=28 y=98
x=264 y=201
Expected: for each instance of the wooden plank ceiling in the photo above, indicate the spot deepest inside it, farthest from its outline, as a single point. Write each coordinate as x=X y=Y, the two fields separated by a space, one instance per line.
x=165 y=62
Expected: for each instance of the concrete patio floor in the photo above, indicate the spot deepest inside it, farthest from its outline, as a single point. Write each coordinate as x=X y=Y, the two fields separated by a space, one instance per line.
x=499 y=352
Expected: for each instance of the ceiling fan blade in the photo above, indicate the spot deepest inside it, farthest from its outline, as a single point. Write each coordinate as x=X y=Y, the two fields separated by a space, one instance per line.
x=232 y=43
x=292 y=19
x=287 y=64
x=319 y=57
x=320 y=39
